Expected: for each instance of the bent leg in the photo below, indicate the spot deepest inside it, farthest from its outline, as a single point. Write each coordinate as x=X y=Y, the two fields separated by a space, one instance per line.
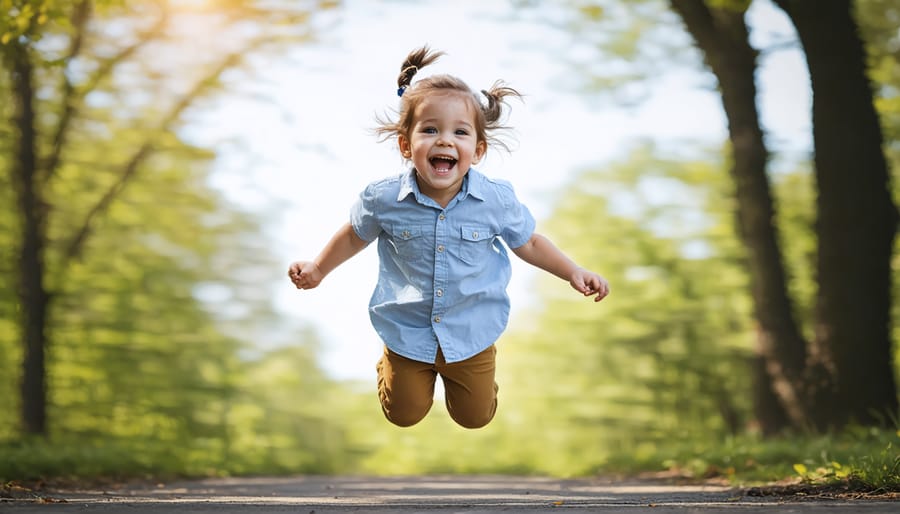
x=471 y=392
x=405 y=388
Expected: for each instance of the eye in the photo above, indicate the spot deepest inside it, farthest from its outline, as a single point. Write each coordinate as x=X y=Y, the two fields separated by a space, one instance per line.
x=462 y=132
x=429 y=130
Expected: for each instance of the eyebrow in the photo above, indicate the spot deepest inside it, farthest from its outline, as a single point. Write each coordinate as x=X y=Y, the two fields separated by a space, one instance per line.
x=433 y=120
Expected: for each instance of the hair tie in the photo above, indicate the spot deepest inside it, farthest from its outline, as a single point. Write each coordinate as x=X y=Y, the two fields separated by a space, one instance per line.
x=407 y=73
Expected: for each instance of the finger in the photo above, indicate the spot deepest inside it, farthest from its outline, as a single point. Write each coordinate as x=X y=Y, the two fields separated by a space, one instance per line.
x=579 y=286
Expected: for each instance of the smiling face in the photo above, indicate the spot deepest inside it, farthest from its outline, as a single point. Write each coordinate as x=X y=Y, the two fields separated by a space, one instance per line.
x=442 y=144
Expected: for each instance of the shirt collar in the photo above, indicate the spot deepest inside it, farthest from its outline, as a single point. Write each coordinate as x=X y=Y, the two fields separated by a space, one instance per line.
x=473 y=185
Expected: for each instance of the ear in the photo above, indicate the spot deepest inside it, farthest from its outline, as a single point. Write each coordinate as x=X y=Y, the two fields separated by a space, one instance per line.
x=403 y=141
x=480 y=150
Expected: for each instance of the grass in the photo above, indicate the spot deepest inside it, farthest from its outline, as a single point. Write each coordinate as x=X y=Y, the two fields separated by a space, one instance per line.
x=859 y=459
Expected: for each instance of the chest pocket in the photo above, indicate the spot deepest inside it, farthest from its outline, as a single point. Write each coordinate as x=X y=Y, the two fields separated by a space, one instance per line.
x=407 y=241
x=475 y=243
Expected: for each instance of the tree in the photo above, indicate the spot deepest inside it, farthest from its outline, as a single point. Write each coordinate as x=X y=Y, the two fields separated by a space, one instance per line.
x=856 y=223
x=68 y=65
x=722 y=36
x=844 y=374
x=820 y=382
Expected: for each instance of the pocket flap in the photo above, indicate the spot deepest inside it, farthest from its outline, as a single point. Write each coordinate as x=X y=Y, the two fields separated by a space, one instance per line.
x=406 y=233
x=473 y=233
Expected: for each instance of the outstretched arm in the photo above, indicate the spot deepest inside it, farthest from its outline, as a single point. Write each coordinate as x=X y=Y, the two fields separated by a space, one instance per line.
x=542 y=253
x=343 y=245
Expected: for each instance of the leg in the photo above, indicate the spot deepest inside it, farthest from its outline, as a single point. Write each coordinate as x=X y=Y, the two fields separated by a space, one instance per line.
x=405 y=388
x=471 y=392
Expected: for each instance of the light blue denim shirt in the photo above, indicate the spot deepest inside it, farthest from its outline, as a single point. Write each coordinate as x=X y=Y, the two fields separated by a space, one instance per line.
x=443 y=272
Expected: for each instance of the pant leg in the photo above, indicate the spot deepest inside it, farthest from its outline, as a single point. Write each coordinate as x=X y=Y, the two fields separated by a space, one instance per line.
x=471 y=392
x=405 y=388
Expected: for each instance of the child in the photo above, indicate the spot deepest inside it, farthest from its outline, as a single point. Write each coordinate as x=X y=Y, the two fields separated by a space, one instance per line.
x=440 y=302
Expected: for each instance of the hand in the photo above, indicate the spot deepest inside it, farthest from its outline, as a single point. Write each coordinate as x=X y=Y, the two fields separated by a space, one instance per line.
x=305 y=275
x=589 y=283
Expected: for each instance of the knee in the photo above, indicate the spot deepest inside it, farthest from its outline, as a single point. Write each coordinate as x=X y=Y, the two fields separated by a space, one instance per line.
x=406 y=415
x=473 y=420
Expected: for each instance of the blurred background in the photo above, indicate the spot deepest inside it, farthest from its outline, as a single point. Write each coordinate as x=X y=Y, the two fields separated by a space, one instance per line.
x=726 y=164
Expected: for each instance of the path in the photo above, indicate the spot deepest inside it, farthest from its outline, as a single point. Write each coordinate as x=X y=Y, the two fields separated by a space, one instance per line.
x=469 y=494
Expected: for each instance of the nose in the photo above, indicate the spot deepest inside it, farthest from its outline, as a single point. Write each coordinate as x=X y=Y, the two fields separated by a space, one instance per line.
x=443 y=141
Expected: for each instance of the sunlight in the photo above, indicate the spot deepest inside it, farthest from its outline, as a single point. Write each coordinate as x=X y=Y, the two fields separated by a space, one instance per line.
x=191 y=5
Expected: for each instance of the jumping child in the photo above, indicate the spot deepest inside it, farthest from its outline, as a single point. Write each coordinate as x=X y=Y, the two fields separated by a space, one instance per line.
x=440 y=302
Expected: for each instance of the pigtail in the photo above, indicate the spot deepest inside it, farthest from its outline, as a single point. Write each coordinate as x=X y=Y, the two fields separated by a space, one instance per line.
x=495 y=101
x=416 y=60
x=494 y=110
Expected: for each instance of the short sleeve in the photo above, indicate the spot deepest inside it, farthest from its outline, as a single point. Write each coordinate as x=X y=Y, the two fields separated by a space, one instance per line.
x=362 y=215
x=519 y=224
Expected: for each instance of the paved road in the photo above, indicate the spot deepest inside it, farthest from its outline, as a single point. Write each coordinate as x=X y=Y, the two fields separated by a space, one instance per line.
x=472 y=495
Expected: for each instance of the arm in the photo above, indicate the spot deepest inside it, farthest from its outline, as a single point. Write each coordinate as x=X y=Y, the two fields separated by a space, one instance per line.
x=542 y=253
x=343 y=245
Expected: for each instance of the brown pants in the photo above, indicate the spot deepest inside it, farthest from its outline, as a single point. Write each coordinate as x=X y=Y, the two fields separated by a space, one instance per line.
x=406 y=388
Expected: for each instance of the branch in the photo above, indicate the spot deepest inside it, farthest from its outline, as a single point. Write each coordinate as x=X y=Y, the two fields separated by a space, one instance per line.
x=699 y=22
x=72 y=99
x=79 y=22
x=76 y=246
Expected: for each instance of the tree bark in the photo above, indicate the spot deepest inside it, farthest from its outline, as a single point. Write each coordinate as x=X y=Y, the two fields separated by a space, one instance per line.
x=856 y=224
x=722 y=37
x=33 y=297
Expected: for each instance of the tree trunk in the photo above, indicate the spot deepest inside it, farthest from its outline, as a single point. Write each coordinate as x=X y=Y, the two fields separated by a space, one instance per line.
x=722 y=37
x=856 y=224
x=33 y=297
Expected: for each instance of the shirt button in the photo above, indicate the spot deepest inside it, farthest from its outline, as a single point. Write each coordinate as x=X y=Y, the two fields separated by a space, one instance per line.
x=437 y=319
x=442 y=217
x=474 y=234
x=439 y=293
x=405 y=233
x=440 y=248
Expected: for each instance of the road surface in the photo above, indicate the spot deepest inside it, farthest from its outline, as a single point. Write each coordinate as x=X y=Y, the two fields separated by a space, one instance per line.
x=439 y=494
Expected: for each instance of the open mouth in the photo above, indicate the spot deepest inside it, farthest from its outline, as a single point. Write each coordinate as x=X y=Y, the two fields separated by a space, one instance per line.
x=442 y=163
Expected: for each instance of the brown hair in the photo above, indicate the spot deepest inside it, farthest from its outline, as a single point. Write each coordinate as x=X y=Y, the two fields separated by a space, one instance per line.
x=487 y=116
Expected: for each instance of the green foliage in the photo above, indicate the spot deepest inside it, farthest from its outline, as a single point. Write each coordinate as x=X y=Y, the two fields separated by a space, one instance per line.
x=866 y=458
x=620 y=48
x=143 y=373
x=732 y=5
x=18 y=17
x=667 y=353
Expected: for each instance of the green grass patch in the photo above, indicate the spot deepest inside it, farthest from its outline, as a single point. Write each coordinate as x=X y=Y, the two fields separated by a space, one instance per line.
x=867 y=458
x=74 y=459
x=861 y=459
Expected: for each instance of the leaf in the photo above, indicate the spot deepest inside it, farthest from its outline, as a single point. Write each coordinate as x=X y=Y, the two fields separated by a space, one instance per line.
x=592 y=12
x=800 y=469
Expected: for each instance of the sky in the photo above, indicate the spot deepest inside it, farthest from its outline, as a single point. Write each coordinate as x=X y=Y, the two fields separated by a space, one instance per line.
x=306 y=150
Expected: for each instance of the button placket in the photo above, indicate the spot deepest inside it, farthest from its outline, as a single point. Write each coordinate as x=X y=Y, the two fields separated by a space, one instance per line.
x=440 y=269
